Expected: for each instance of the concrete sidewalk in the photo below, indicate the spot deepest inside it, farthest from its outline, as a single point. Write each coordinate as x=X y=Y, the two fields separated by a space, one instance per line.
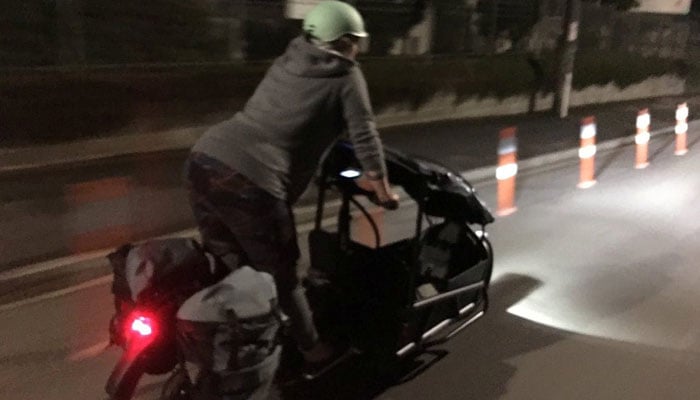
x=465 y=145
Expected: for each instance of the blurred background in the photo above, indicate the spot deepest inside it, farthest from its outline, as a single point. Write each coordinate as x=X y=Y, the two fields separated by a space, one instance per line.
x=595 y=292
x=88 y=68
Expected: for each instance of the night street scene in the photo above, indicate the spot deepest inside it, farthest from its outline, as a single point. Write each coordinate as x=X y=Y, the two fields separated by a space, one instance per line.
x=350 y=200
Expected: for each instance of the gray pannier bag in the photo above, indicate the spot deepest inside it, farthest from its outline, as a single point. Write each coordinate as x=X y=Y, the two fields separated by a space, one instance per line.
x=229 y=332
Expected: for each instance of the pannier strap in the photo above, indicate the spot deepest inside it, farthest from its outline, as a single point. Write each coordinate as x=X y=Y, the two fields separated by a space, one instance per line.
x=250 y=378
x=264 y=328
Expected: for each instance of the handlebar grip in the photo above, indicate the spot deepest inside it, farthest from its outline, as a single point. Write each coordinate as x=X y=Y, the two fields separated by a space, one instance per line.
x=372 y=196
x=389 y=205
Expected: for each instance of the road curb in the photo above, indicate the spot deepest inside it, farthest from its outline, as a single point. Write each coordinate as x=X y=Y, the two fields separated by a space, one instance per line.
x=100 y=149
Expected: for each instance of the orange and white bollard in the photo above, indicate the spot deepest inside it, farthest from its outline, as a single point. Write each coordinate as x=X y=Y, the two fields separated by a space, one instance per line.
x=587 y=153
x=681 y=129
x=506 y=171
x=642 y=139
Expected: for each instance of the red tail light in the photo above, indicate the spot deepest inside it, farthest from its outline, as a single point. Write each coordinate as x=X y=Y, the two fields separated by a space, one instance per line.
x=143 y=326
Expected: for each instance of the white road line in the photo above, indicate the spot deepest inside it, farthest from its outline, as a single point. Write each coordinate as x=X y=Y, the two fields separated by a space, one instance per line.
x=89 y=352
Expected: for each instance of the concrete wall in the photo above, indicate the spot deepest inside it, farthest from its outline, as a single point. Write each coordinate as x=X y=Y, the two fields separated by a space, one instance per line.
x=445 y=106
x=664 y=6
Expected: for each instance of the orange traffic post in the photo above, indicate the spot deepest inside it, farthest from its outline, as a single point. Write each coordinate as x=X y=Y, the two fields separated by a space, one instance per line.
x=587 y=153
x=506 y=171
x=642 y=139
x=681 y=129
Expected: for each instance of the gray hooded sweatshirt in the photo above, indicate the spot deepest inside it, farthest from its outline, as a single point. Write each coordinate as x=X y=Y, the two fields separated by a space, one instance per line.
x=307 y=99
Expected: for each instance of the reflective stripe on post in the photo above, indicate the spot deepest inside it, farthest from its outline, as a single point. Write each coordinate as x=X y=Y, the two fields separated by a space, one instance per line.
x=587 y=153
x=681 y=129
x=506 y=171
x=642 y=139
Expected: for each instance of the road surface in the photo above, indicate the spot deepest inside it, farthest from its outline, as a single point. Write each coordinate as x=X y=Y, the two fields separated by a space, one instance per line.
x=50 y=213
x=594 y=298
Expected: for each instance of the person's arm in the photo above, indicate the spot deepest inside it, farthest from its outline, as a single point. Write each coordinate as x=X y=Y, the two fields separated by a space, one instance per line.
x=357 y=111
x=380 y=187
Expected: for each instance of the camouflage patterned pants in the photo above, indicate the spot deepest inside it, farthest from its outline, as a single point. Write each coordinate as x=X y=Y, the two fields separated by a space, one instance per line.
x=236 y=217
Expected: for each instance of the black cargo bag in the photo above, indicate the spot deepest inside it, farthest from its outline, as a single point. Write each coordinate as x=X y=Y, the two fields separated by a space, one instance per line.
x=173 y=269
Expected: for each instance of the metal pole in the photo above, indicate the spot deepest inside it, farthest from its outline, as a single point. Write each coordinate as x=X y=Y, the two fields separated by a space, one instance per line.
x=567 y=54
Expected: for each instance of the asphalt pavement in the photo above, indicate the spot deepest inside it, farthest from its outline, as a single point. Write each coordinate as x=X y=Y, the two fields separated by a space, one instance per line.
x=594 y=297
x=468 y=146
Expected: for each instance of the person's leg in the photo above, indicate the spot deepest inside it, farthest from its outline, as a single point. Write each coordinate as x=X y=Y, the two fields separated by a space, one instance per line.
x=264 y=227
x=234 y=215
x=205 y=178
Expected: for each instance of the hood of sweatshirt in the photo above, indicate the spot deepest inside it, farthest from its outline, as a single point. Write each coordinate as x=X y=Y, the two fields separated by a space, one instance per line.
x=303 y=58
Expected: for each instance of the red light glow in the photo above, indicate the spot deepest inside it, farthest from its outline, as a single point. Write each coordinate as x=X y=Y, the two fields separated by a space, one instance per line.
x=142 y=326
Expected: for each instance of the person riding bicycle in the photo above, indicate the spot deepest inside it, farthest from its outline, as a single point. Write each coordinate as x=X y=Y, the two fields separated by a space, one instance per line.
x=244 y=174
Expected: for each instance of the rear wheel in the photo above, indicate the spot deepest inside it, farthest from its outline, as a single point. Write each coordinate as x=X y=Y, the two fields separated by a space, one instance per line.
x=122 y=383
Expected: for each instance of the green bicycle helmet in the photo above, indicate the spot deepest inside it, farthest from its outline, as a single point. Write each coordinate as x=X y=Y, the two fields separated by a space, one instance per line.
x=330 y=20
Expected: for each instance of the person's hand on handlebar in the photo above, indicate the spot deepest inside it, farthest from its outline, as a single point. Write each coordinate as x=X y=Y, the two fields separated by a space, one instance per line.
x=381 y=191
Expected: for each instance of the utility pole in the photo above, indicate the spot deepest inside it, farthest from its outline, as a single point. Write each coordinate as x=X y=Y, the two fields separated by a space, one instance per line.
x=566 y=56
